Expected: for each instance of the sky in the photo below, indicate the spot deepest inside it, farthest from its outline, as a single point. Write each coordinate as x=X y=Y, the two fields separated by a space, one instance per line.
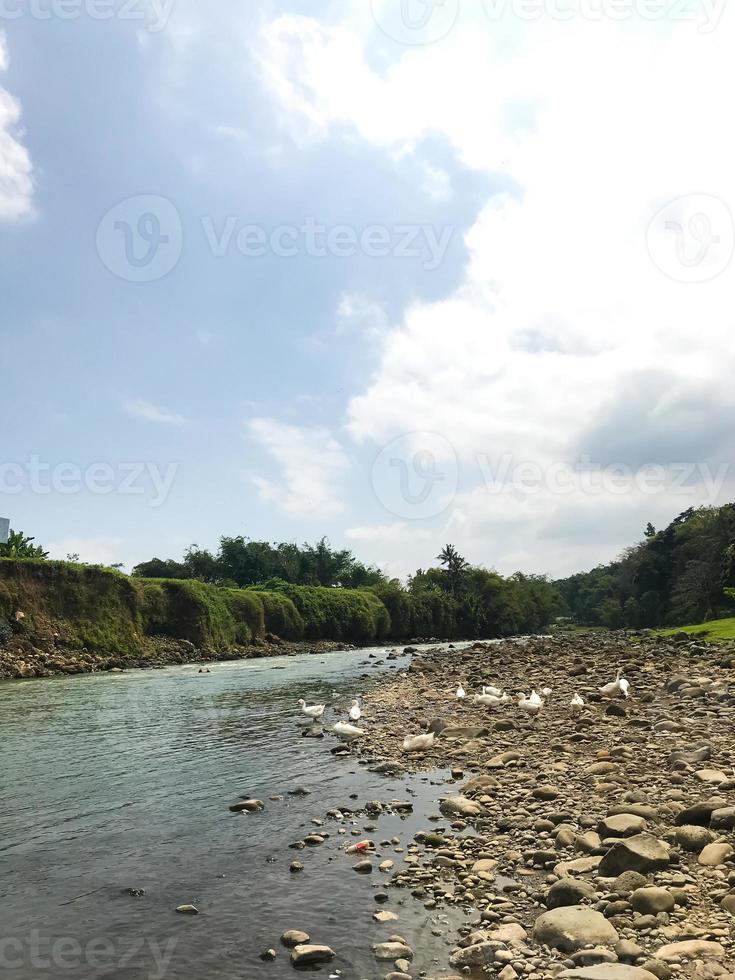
x=397 y=272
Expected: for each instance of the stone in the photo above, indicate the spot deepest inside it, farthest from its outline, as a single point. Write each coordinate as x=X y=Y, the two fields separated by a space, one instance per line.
x=691 y=949
x=307 y=955
x=479 y=954
x=363 y=867
x=692 y=838
x=295 y=938
x=385 y=916
x=458 y=806
x=592 y=955
x=652 y=900
x=715 y=854
x=699 y=814
x=392 y=951
x=486 y=865
x=627 y=882
x=723 y=819
x=511 y=932
x=622 y=825
x=572 y=927
x=187 y=910
x=248 y=806
x=710 y=776
x=609 y=971
x=545 y=793
x=568 y=891
x=640 y=853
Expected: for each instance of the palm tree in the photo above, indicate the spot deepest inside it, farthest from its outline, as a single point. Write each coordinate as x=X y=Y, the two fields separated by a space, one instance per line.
x=455 y=565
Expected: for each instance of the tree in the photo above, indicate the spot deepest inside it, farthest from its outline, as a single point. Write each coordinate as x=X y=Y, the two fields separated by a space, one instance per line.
x=455 y=565
x=21 y=546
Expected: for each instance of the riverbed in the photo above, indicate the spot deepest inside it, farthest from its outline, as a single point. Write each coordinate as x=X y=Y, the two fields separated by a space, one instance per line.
x=123 y=781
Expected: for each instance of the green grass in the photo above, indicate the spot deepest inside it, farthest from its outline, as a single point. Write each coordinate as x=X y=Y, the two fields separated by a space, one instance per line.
x=715 y=631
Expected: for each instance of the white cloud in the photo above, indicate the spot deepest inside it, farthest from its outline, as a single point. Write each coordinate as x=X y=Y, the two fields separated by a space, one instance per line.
x=562 y=308
x=142 y=409
x=93 y=551
x=357 y=313
x=16 y=170
x=312 y=465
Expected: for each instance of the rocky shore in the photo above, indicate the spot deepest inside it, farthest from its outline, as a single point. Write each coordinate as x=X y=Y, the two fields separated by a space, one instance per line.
x=23 y=658
x=597 y=844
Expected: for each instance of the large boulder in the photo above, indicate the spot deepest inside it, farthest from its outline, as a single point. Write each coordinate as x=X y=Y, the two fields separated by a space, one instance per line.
x=640 y=853
x=692 y=838
x=573 y=927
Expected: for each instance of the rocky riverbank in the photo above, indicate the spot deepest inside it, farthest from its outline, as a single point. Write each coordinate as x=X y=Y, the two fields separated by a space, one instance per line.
x=598 y=845
x=22 y=658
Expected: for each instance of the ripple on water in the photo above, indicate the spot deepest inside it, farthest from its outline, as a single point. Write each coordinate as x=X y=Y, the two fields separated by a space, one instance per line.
x=123 y=781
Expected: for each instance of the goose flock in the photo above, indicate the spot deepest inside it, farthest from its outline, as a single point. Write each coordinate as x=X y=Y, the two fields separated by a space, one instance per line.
x=490 y=696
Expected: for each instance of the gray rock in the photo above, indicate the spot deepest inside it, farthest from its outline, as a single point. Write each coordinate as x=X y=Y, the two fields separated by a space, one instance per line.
x=568 y=891
x=691 y=949
x=573 y=927
x=307 y=955
x=715 y=854
x=652 y=900
x=622 y=825
x=609 y=971
x=641 y=853
x=458 y=806
x=723 y=819
x=692 y=838
x=392 y=952
x=627 y=882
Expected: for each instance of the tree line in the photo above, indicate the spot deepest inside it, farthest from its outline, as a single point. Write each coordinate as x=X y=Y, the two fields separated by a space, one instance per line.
x=682 y=574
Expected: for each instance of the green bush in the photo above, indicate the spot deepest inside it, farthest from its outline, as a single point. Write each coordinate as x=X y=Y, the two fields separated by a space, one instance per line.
x=282 y=618
x=350 y=615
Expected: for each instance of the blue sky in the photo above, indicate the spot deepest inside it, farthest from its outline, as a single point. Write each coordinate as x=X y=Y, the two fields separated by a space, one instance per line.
x=544 y=315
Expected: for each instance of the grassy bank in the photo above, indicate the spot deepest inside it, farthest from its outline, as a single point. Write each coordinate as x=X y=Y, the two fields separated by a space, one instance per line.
x=716 y=630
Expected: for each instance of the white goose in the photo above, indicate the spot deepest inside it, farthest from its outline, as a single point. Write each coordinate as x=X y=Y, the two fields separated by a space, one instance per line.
x=531 y=708
x=547 y=692
x=536 y=698
x=577 y=704
x=313 y=711
x=418 y=743
x=461 y=693
x=347 y=733
x=495 y=691
x=491 y=700
x=355 y=710
x=615 y=688
x=625 y=687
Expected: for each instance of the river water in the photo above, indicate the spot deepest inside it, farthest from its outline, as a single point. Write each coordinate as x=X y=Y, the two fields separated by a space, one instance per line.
x=117 y=781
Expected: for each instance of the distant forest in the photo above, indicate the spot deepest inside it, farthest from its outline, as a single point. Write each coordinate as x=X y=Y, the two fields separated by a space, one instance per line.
x=680 y=575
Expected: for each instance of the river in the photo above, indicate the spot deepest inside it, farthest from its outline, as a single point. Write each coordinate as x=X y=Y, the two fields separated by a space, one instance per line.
x=123 y=781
